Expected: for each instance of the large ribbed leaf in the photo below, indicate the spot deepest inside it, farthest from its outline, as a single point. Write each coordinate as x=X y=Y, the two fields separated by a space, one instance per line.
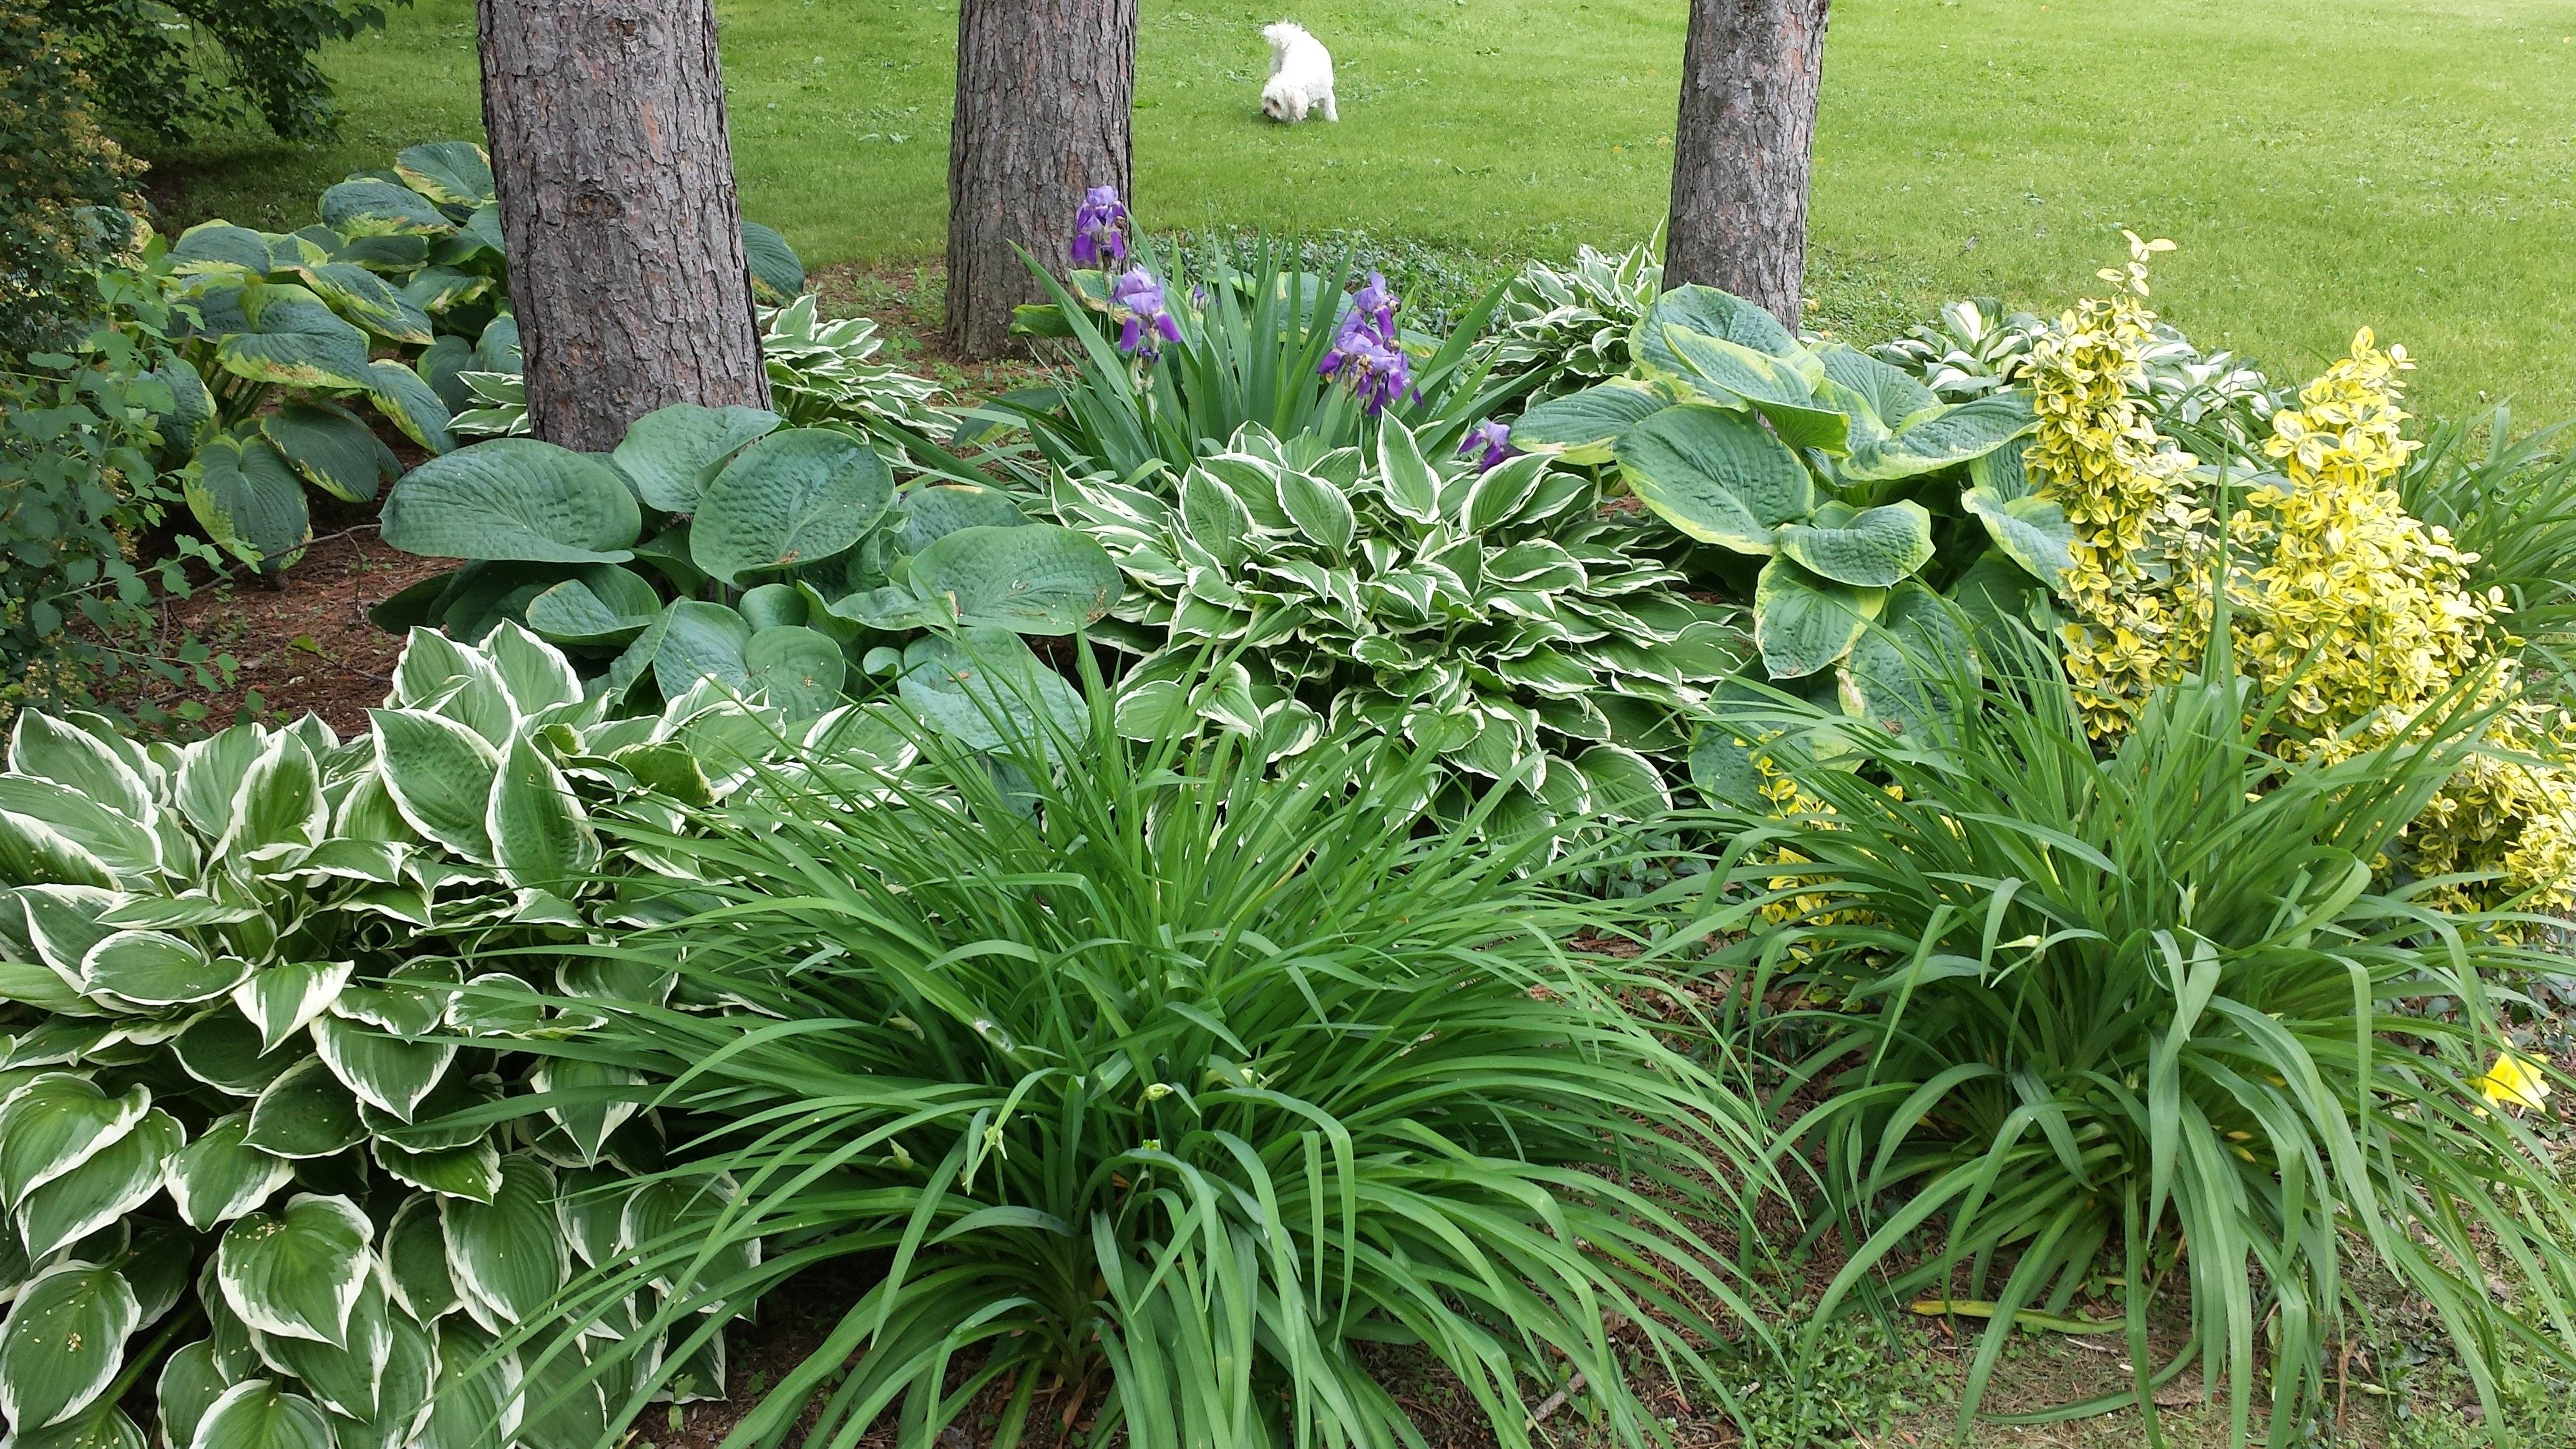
x=515 y=499
x=1945 y=439
x=698 y=641
x=605 y=604
x=1899 y=673
x=1037 y=579
x=793 y=497
x=1710 y=313
x=1717 y=475
x=291 y=337
x=249 y=499
x=1582 y=427
x=777 y=275
x=508 y=1257
x=298 y=1273
x=2031 y=531
x=450 y=173
x=212 y=247
x=672 y=453
x=1873 y=547
x=986 y=690
x=371 y=206
x=800 y=670
x=331 y=448
x=363 y=297
x=1804 y=622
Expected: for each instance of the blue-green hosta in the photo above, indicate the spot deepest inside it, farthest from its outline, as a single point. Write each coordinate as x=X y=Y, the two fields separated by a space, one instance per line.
x=716 y=544
x=1498 y=619
x=1558 y=330
x=1854 y=486
x=258 y=1144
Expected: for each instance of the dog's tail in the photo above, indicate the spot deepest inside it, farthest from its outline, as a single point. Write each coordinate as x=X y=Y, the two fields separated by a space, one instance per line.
x=1281 y=35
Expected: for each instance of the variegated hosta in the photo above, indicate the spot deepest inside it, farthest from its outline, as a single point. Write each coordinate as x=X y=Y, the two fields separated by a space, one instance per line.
x=1500 y=618
x=1569 y=327
x=249 y=1107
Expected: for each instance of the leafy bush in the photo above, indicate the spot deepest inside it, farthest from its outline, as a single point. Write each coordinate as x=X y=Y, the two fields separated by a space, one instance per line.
x=1496 y=618
x=227 y=975
x=65 y=188
x=173 y=67
x=1559 y=330
x=2148 y=1015
x=786 y=562
x=1249 y=346
x=1154 y=1093
x=1828 y=465
x=2510 y=509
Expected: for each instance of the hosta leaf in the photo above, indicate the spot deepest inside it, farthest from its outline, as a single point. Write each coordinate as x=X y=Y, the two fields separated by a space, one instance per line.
x=63 y=1343
x=292 y=338
x=1726 y=371
x=931 y=511
x=450 y=173
x=1874 y=547
x=341 y=1376
x=78 y=760
x=190 y=1383
x=2031 y=531
x=533 y=674
x=1319 y=510
x=118 y=842
x=398 y=255
x=987 y=691
x=368 y=300
x=298 y=1274
x=155 y=968
x=1034 y=579
x=220 y=1176
x=113 y=1182
x=54 y=1122
x=683 y=1208
x=700 y=640
x=432 y=1128
x=1709 y=312
x=210 y=775
x=1900 y=672
x=776 y=274
x=597 y=1100
x=1622 y=784
x=799 y=670
x=383 y=1070
x=508 y=1256
x=672 y=453
x=278 y=806
x=219 y=246
x=331 y=449
x=1582 y=427
x=1945 y=439
x=541 y=836
x=1804 y=622
x=440 y=775
x=605 y=604
x=1502 y=492
x=224 y=1051
x=305 y=1113
x=415 y=1254
x=250 y=501
x=468 y=1409
x=514 y=499
x=798 y=496
x=472 y=1171
x=1716 y=475
x=256 y=1414
x=1891 y=394
x=34 y=853
x=370 y=206
x=281 y=1000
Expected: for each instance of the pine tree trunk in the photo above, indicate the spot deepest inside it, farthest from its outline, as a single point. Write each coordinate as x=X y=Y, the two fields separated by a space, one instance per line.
x=1045 y=93
x=1750 y=72
x=607 y=126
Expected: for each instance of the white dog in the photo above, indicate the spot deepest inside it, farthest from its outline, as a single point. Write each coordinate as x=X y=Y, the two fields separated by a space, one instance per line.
x=1301 y=75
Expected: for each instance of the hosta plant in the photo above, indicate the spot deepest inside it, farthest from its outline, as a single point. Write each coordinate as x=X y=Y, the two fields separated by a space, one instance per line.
x=717 y=544
x=2116 y=1038
x=1855 y=489
x=1496 y=618
x=266 y=1151
x=1559 y=330
x=1150 y=1101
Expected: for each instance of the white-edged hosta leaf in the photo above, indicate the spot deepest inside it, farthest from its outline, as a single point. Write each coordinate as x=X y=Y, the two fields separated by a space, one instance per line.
x=155 y=968
x=225 y=1052
x=125 y=846
x=115 y=1181
x=306 y=1113
x=191 y=1380
x=220 y=1176
x=278 y=805
x=210 y=774
x=668 y=1210
x=440 y=775
x=532 y=673
x=63 y=1343
x=472 y=1171
x=415 y=1254
x=507 y=1256
x=65 y=921
x=472 y=1410
x=79 y=761
x=384 y=1070
x=541 y=837
x=54 y=1122
x=256 y=1414
x=598 y=1099
x=342 y=1377
x=283 y=999
x=298 y=1273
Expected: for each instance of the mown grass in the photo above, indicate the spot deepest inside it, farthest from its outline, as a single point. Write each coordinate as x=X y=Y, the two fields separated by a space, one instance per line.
x=2408 y=165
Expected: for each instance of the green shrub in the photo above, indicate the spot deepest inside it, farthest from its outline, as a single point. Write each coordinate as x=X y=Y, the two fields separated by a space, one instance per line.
x=1497 y=618
x=1559 y=330
x=2147 y=1018
x=174 y=67
x=247 y=1098
x=2509 y=503
x=1162 y=1092
x=65 y=188
x=786 y=563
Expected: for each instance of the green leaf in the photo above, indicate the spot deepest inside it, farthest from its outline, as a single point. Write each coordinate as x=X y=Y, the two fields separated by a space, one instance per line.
x=211 y=774
x=541 y=837
x=190 y=1383
x=278 y=806
x=155 y=968
x=1899 y=671
x=298 y=1274
x=450 y=173
x=1804 y=622
x=412 y=402
x=220 y=1176
x=605 y=604
x=255 y=1414
x=1033 y=579
x=1873 y=548
x=931 y=511
x=115 y=1181
x=63 y=1343
x=383 y=1070
x=248 y=499
x=282 y=1000
x=672 y=453
x=292 y=338
x=1891 y=394
x=508 y=1257
x=222 y=1050
x=1710 y=313
x=1728 y=371
x=331 y=448
x=472 y=1171
x=1716 y=475
x=440 y=775
x=1944 y=439
x=701 y=641
x=800 y=670
x=219 y=247
x=119 y=842
x=415 y=1255
x=54 y=1122
x=362 y=297
x=987 y=691
x=2031 y=531
x=305 y=1113
x=1582 y=427
x=514 y=499
x=776 y=273
x=370 y=206
x=798 y=496
x=1320 y=510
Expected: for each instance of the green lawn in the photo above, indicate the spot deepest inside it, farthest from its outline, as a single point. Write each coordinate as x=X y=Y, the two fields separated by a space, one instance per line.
x=2404 y=164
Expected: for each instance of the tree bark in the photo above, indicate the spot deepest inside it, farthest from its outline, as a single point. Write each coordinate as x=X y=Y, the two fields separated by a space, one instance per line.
x=1750 y=72
x=607 y=127
x=1046 y=90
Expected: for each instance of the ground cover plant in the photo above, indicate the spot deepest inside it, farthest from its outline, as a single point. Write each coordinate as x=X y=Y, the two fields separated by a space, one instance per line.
x=1156 y=1091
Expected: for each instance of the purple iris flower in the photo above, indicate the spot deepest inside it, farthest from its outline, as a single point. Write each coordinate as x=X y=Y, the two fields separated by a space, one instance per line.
x=1378 y=303
x=1370 y=364
x=1489 y=442
x=1099 y=229
x=1148 y=323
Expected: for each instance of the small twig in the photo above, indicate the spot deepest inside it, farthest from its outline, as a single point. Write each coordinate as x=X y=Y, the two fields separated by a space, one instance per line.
x=1554 y=1401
